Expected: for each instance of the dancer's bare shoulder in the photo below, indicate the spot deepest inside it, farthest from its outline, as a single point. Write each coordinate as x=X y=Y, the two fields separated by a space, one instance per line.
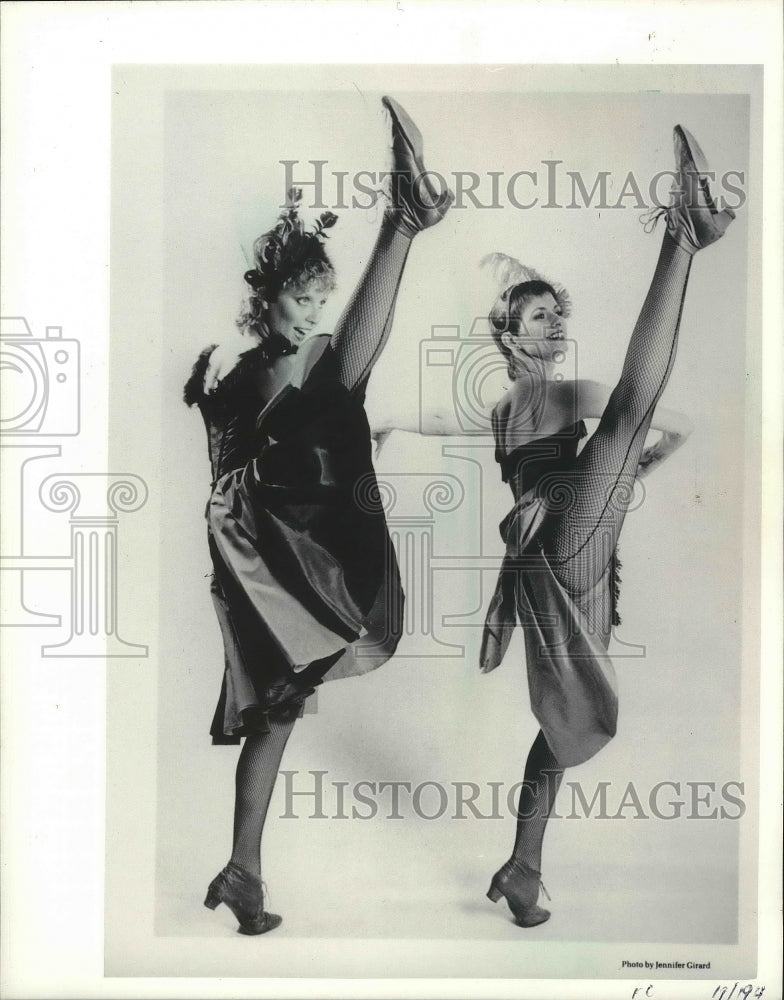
x=591 y=398
x=540 y=409
x=561 y=407
x=545 y=407
x=586 y=399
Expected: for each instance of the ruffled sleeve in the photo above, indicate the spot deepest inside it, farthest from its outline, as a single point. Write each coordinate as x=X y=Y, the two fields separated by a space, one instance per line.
x=193 y=391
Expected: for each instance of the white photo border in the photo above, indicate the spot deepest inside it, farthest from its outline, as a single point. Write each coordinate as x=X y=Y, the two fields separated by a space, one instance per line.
x=57 y=68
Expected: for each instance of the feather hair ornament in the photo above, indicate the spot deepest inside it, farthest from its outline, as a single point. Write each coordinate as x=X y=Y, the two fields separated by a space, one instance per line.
x=283 y=250
x=508 y=272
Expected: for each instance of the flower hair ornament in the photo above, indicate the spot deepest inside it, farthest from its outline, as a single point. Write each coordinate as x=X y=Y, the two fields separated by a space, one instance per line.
x=508 y=273
x=288 y=248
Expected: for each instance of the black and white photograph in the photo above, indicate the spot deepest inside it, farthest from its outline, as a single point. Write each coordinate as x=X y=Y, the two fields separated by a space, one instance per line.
x=389 y=690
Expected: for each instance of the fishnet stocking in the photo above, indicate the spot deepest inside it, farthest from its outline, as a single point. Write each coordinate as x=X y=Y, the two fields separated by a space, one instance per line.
x=581 y=538
x=364 y=325
x=257 y=770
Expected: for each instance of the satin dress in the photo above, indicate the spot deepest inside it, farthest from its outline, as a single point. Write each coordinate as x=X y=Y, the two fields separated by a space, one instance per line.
x=306 y=584
x=571 y=679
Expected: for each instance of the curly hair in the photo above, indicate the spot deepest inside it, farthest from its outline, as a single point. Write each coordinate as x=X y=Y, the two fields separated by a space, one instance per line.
x=287 y=258
x=320 y=274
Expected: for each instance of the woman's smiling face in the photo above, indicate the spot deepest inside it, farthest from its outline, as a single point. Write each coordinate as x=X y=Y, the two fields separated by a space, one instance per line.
x=542 y=319
x=296 y=312
x=538 y=332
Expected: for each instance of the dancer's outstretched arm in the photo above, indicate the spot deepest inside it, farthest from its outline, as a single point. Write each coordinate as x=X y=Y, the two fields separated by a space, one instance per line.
x=585 y=398
x=431 y=420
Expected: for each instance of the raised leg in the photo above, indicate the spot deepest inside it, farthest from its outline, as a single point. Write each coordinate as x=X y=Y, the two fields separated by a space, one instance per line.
x=365 y=324
x=581 y=539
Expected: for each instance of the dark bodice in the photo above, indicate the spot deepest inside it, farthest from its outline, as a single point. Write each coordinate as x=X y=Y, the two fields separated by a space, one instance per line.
x=231 y=411
x=305 y=581
x=546 y=466
x=304 y=457
x=537 y=464
x=313 y=436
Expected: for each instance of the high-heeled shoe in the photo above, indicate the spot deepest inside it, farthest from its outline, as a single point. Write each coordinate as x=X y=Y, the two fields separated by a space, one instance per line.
x=693 y=219
x=242 y=892
x=416 y=205
x=520 y=885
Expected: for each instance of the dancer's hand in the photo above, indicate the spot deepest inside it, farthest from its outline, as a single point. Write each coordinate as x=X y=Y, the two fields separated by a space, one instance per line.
x=655 y=454
x=381 y=438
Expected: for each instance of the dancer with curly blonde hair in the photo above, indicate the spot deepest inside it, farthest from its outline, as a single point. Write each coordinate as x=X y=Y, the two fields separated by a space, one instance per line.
x=306 y=586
